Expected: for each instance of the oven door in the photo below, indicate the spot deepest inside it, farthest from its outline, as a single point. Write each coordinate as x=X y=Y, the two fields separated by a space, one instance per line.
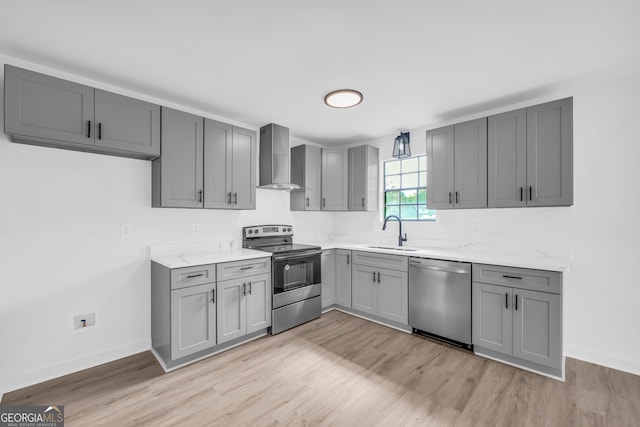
x=293 y=271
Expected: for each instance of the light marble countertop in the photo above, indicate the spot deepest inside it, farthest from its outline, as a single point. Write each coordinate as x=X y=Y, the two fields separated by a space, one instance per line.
x=522 y=257
x=201 y=256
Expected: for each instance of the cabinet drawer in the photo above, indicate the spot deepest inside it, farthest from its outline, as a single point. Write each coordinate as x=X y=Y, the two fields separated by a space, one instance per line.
x=191 y=276
x=372 y=259
x=235 y=269
x=523 y=278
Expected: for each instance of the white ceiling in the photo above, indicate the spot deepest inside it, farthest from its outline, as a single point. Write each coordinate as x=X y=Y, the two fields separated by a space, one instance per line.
x=256 y=61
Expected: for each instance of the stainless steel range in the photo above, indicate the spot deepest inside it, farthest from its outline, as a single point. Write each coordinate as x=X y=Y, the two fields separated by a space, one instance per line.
x=295 y=274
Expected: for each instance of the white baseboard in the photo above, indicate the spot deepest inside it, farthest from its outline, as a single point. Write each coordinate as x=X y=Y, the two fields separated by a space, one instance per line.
x=27 y=379
x=630 y=366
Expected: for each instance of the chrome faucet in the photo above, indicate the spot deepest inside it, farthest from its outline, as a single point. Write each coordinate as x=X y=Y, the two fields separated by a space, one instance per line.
x=400 y=238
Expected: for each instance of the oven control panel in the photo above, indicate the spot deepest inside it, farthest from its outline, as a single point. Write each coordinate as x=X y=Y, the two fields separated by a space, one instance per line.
x=267 y=231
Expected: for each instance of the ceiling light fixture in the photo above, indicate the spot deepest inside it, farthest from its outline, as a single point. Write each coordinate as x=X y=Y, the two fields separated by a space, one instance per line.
x=343 y=98
x=401 y=147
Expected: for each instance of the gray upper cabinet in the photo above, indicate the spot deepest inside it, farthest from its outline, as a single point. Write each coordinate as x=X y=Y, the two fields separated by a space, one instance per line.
x=507 y=160
x=243 y=165
x=306 y=171
x=531 y=156
x=470 y=164
x=550 y=153
x=363 y=178
x=457 y=166
x=178 y=173
x=334 y=179
x=218 y=139
x=229 y=166
x=440 y=172
x=124 y=123
x=45 y=110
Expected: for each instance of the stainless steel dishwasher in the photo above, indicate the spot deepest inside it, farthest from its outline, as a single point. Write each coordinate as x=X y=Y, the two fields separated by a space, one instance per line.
x=440 y=300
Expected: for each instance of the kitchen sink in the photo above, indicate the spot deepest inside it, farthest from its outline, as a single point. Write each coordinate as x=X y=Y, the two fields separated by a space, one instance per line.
x=392 y=248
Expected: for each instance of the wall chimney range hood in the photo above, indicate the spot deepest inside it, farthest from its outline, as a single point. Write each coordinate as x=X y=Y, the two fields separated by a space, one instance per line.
x=274 y=158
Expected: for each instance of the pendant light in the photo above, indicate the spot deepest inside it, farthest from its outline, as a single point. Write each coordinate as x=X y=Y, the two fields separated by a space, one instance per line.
x=401 y=147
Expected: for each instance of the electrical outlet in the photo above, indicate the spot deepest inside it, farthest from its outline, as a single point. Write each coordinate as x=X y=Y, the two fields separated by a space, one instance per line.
x=126 y=230
x=195 y=228
x=83 y=321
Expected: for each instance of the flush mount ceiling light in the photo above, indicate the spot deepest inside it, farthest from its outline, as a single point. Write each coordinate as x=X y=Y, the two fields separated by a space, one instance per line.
x=401 y=147
x=343 y=98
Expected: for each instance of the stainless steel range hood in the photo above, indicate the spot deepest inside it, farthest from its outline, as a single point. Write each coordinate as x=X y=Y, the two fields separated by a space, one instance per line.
x=274 y=158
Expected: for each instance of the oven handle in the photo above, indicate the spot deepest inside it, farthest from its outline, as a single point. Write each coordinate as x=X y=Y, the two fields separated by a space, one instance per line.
x=296 y=255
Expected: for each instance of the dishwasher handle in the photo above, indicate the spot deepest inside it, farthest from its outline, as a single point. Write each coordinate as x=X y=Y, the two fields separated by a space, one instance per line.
x=417 y=264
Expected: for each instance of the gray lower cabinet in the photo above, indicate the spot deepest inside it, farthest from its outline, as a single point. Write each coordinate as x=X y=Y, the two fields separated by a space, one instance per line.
x=382 y=292
x=516 y=323
x=363 y=178
x=177 y=176
x=457 y=166
x=193 y=319
x=244 y=305
x=328 y=274
x=229 y=166
x=530 y=161
x=334 y=179
x=306 y=171
x=45 y=110
x=343 y=277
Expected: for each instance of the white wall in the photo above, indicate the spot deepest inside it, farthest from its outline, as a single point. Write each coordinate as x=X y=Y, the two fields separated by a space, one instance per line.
x=62 y=255
x=601 y=229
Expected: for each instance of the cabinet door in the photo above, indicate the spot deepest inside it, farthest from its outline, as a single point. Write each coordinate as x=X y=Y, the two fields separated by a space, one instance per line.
x=47 y=108
x=232 y=310
x=243 y=167
x=492 y=317
x=181 y=162
x=127 y=124
x=258 y=302
x=365 y=288
x=193 y=319
x=313 y=178
x=393 y=295
x=440 y=172
x=217 y=176
x=343 y=277
x=507 y=161
x=328 y=275
x=470 y=163
x=537 y=327
x=357 y=178
x=334 y=179
x=550 y=154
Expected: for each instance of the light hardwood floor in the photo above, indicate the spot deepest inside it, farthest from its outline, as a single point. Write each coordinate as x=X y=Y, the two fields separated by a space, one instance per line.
x=339 y=370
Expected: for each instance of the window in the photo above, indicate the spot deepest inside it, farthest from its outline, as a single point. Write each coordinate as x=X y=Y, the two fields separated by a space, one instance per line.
x=405 y=189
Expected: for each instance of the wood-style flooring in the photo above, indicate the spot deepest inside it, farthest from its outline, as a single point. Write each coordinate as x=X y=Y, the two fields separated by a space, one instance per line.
x=344 y=371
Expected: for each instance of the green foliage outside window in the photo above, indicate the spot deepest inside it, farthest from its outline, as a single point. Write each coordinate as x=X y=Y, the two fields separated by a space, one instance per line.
x=405 y=189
